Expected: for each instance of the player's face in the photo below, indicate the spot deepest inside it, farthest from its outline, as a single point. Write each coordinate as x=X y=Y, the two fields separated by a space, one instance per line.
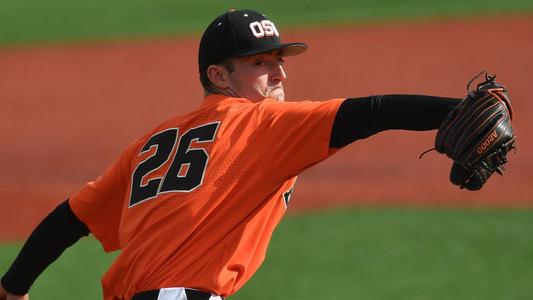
x=257 y=77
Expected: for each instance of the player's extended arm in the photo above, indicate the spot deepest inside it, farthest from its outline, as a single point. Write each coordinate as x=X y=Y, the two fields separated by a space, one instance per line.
x=359 y=118
x=58 y=231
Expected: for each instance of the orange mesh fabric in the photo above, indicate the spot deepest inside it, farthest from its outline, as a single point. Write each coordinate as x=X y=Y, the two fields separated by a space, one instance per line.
x=181 y=225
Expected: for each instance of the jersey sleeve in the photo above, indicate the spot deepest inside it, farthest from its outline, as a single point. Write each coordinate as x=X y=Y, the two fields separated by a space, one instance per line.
x=98 y=204
x=296 y=135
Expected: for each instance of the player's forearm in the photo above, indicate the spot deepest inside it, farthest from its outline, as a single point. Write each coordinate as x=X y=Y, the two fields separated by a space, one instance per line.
x=58 y=231
x=359 y=118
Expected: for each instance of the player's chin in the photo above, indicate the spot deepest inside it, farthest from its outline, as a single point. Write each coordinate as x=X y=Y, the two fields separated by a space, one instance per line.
x=276 y=94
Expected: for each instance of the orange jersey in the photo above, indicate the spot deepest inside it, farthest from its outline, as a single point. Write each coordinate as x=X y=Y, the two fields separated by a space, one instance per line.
x=195 y=201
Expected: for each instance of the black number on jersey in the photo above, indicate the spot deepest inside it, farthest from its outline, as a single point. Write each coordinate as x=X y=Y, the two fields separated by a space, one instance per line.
x=186 y=171
x=163 y=143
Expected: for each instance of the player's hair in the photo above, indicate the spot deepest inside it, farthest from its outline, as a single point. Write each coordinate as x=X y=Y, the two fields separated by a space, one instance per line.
x=207 y=84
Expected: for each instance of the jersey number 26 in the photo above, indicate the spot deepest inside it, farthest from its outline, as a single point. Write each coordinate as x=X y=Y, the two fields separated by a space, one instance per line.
x=175 y=180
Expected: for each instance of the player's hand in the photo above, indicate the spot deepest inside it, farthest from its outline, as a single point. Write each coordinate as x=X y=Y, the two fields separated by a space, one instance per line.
x=7 y=296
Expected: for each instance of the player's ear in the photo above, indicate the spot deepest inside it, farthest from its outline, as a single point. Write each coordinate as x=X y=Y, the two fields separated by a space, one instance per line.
x=218 y=75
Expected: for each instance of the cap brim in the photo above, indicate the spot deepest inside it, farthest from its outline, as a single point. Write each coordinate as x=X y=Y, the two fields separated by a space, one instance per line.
x=287 y=49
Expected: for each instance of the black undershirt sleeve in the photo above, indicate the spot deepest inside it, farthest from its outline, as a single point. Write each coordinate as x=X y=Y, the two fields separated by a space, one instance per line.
x=58 y=231
x=359 y=118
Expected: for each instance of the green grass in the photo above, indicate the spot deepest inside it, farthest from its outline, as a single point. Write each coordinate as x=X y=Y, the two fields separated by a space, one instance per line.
x=33 y=21
x=358 y=254
x=399 y=254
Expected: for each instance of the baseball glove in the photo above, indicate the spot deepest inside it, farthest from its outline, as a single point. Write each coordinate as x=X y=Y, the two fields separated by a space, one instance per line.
x=477 y=134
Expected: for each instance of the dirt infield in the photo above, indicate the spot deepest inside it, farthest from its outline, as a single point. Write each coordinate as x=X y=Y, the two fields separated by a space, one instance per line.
x=67 y=111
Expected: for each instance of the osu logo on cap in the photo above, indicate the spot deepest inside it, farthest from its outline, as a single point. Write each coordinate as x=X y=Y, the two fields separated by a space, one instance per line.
x=263 y=28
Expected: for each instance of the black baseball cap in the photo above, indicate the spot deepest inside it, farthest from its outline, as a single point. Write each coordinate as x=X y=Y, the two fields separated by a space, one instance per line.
x=239 y=33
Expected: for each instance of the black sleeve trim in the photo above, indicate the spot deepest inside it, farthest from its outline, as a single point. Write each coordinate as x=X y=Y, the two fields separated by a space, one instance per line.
x=359 y=118
x=58 y=231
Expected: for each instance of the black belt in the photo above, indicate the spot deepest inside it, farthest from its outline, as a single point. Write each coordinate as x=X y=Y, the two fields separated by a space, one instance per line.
x=191 y=295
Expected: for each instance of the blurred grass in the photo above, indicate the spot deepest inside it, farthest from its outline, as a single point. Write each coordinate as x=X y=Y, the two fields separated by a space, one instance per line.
x=357 y=254
x=33 y=21
x=399 y=254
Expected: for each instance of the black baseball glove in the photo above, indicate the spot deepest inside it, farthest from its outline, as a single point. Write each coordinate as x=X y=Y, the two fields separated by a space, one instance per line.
x=477 y=134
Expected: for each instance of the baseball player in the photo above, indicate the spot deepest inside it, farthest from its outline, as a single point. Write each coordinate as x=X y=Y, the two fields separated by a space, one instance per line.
x=192 y=204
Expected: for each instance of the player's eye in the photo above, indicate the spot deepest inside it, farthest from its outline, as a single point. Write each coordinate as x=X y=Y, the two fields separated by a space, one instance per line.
x=260 y=63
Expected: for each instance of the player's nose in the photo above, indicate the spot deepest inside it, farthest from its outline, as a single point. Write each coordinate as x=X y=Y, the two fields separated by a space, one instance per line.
x=278 y=73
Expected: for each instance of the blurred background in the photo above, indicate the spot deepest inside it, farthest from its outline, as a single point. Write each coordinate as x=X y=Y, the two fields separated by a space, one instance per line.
x=80 y=80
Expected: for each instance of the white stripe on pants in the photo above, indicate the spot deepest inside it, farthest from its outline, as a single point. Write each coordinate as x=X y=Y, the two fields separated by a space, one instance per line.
x=178 y=294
